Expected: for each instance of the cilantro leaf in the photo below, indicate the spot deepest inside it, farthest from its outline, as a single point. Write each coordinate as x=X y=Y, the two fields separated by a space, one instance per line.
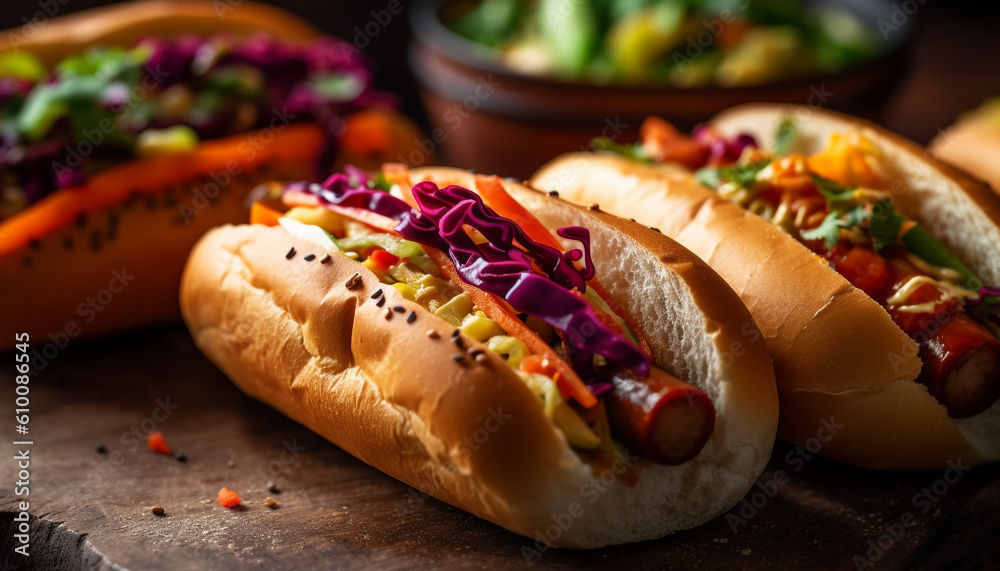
x=784 y=137
x=832 y=190
x=633 y=151
x=885 y=225
x=829 y=229
x=742 y=176
x=708 y=177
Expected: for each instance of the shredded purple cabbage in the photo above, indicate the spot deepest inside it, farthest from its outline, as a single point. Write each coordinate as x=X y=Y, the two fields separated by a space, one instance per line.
x=984 y=292
x=722 y=150
x=321 y=81
x=534 y=278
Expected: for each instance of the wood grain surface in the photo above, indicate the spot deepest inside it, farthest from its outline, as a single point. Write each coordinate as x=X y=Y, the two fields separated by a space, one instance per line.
x=93 y=510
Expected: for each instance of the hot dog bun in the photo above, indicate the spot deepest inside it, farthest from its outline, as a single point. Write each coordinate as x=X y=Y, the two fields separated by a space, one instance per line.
x=124 y=24
x=291 y=334
x=973 y=143
x=48 y=282
x=837 y=353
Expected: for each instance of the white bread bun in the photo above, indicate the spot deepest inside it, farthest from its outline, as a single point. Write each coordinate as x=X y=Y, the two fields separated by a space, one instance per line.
x=837 y=353
x=74 y=282
x=973 y=143
x=291 y=334
x=124 y=24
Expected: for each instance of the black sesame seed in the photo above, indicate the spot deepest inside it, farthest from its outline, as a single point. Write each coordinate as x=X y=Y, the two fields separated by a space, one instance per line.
x=378 y=293
x=290 y=254
x=458 y=341
x=388 y=314
x=455 y=333
x=457 y=357
x=326 y=259
x=181 y=457
x=101 y=449
x=411 y=317
x=399 y=309
x=553 y=193
x=353 y=282
x=309 y=257
x=380 y=302
x=655 y=229
x=273 y=488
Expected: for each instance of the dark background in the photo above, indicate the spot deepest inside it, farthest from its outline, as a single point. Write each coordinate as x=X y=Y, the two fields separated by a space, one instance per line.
x=955 y=63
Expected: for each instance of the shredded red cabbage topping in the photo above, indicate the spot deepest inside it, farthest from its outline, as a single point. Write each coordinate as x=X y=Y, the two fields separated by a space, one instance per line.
x=533 y=278
x=983 y=294
x=61 y=125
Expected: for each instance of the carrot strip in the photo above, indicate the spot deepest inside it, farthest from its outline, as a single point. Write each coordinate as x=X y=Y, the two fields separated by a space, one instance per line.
x=224 y=157
x=228 y=498
x=397 y=173
x=497 y=198
x=157 y=443
x=366 y=132
x=265 y=213
x=567 y=379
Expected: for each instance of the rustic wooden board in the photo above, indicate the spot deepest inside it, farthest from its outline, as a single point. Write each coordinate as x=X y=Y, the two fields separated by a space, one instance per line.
x=335 y=511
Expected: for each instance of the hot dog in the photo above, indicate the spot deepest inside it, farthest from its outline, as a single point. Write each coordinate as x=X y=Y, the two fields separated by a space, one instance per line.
x=775 y=203
x=128 y=135
x=401 y=315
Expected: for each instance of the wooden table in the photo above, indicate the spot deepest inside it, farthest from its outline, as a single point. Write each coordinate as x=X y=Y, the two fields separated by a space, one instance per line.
x=94 y=510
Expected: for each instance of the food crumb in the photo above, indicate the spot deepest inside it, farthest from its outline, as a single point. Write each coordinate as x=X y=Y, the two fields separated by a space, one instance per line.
x=230 y=464
x=181 y=457
x=157 y=510
x=273 y=488
x=101 y=449
x=228 y=498
x=157 y=443
x=269 y=502
x=745 y=551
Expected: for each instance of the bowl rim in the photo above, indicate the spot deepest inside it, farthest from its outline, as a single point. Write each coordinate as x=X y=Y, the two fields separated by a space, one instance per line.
x=429 y=30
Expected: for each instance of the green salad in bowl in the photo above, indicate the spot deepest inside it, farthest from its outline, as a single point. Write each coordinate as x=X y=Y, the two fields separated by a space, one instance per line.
x=680 y=43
